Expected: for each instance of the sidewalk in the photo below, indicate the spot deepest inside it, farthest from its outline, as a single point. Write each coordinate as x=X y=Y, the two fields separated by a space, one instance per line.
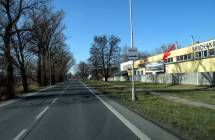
x=184 y=101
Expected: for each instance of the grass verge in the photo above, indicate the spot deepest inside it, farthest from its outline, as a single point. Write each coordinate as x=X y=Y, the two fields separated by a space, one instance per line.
x=191 y=123
x=203 y=94
x=31 y=88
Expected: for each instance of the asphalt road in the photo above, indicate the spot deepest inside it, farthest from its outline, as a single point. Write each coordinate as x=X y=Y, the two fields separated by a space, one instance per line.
x=67 y=111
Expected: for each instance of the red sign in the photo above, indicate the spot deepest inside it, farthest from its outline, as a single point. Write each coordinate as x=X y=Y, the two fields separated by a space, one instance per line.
x=167 y=52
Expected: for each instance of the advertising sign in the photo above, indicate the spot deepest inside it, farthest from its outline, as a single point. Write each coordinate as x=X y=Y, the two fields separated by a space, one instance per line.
x=155 y=66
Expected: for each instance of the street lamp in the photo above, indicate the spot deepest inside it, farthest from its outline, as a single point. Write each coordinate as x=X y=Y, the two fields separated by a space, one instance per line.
x=133 y=94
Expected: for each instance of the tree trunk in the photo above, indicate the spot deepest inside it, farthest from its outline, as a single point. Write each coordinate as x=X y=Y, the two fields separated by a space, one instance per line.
x=97 y=75
x=106 y=78
x=24 y=80
x=9 y=69
x=39 y=70
x=43 y=71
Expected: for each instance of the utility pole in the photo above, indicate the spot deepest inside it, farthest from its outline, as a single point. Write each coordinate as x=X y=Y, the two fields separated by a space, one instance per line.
x=192 y=39
x=132 y=46
x=197 y=74
x=50 y=69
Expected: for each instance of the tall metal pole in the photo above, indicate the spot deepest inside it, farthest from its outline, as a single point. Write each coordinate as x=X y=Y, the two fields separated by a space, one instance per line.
x=192 y=39
x=50 y=71
x=197 y=74
x=133 y=94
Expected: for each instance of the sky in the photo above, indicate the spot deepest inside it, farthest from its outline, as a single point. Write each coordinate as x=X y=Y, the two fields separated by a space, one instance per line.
x=155 y=22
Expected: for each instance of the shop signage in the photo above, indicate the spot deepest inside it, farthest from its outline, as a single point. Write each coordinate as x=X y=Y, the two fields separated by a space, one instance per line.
x=155 y=66
x=204 y=46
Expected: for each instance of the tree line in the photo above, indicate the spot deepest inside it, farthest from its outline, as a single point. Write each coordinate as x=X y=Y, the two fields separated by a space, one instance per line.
x=106 y=54
x=32 y=44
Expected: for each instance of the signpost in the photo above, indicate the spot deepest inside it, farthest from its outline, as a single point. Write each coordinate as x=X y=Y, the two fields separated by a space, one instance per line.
x=132 y=54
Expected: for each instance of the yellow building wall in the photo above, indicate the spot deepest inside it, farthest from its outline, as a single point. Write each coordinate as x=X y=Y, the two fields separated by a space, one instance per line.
x=173 y=53
x=201 y=65
x=154 y=58
x=137 y=63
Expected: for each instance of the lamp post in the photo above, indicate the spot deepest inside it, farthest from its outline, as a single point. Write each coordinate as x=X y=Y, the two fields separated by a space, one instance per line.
x=133 y=94
x=50 y=69
x=197 y=74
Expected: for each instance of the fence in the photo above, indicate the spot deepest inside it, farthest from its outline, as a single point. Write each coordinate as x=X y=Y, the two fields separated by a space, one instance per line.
x=203 y=78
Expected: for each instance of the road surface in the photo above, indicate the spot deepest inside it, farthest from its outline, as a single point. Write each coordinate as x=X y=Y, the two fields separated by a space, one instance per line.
x=70 y=111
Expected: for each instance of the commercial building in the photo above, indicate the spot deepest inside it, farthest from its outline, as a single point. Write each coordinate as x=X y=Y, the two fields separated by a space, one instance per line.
x=194 y=64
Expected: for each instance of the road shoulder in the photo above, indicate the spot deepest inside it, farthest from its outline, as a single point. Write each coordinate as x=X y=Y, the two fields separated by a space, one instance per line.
x=150 y=129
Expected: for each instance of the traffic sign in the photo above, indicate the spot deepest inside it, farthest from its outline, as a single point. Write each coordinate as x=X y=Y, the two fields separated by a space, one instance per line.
x=132 y=54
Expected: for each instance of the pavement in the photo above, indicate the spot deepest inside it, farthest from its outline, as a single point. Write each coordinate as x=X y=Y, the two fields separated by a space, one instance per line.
x=184 y=101
x=73 y=111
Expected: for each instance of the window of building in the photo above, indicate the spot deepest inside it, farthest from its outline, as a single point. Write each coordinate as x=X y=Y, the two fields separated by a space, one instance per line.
x=200 y=54
x=211 y=52
x=177 y=58
x=170 y=60
x=185 y=57
x=205 y=53
x=181 y=58
x=197 y=55
x=189 y=56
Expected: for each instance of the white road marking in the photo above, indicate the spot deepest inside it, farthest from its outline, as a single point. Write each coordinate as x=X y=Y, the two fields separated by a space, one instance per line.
x=42 y=112
x=20 y=134
x=7 y=103
x=29 y=94
x=54 y=100
x=131 y=126
x=25 y=95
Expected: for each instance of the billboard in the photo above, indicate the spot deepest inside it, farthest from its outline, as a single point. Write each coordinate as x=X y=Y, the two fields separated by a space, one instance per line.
x=155 y=67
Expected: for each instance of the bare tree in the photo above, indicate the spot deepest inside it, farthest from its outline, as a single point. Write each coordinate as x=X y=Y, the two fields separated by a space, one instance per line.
x=63 y=61
x=107 y=51
x=22 y=54
x=83 y=70
x=163 y=48
x=11 y=11
x=95 y=62
x=124 y=56
x=47 y=34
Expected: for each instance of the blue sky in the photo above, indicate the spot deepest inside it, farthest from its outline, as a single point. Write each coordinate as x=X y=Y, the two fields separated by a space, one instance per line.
x=156 y=22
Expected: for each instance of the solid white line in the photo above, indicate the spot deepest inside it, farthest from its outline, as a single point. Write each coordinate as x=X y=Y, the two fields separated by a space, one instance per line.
x=53 y=101
x=42 y=112
x=20 y=134
x=131 y=126
x=7 y=103
x=24 y=95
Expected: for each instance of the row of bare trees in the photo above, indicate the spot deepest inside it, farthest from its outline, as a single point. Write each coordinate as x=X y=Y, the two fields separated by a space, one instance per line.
x=104 y=58
x=32 y=43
